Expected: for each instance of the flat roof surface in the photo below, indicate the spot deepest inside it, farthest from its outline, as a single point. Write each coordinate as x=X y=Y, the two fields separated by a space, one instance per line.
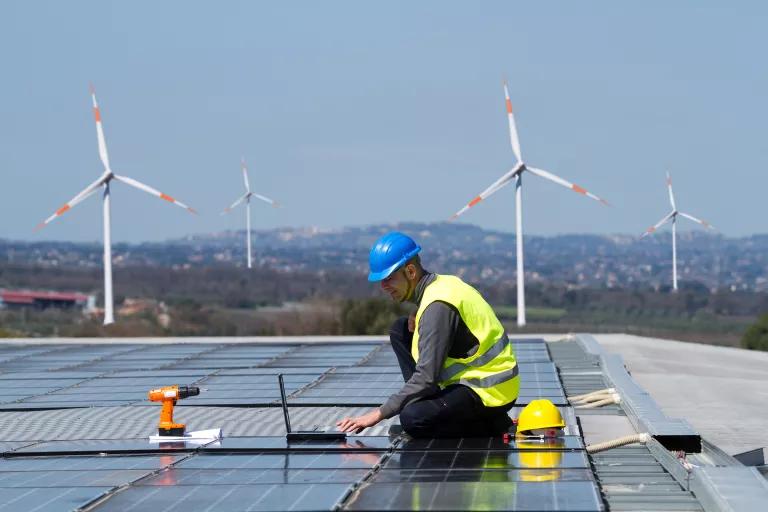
x=721 y=391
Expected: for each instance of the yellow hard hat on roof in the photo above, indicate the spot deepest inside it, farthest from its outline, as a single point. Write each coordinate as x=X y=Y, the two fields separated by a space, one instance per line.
x=540 y=413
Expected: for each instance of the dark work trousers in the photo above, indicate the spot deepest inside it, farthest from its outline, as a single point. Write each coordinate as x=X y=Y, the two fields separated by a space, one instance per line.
x=455 y=411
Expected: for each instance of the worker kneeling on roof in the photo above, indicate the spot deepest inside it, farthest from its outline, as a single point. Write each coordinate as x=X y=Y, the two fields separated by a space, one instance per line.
x=460 y=372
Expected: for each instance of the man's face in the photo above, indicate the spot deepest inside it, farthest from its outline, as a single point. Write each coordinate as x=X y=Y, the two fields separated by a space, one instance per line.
x=397 y=285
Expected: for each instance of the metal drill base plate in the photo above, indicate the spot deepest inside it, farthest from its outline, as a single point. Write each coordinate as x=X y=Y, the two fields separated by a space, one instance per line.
x=176 y=432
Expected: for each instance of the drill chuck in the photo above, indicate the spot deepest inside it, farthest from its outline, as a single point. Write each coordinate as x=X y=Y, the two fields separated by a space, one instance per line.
x=187 y=391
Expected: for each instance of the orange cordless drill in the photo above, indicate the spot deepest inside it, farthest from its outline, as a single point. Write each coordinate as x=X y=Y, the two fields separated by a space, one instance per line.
x=168 y=395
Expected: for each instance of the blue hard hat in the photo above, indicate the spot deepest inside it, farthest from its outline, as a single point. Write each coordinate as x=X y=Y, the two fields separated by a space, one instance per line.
x=389 y=253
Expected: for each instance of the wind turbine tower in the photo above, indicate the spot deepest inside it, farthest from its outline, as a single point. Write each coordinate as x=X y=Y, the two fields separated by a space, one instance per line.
x=516 y=174
x=103 y=182
x=672 y=216
x=247 y=198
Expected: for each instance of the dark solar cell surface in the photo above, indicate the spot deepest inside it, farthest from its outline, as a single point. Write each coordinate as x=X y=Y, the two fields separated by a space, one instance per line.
x=479 y=475
x=49 y=499
x=481 y=495
x=83 y=463
x=496 y=443
x=234 y=498
x=479 y=459
x=79 y=478
x=229 y=476
x=264 y=443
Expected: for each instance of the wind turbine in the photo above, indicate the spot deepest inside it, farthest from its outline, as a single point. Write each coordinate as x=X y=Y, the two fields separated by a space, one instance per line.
x=673 y=217
x=103 y=182
x=247 y=198
x=516 y=173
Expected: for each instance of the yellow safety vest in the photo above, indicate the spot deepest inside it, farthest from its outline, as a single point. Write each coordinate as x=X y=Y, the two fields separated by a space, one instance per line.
x=491 y=372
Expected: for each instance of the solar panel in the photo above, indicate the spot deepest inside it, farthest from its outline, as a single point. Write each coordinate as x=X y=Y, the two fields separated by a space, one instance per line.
x=280 y=443
x=42 y=375
x=88 y=463
x=572 y=496
x=38 y=406
x=70 y=478
x=480 y=475
x=182 y=498
x=490 y=443
x=9 y=446
x=484 y=459
x=111 y=446
x=303 y=460
x=194 y=477
x=52 y=499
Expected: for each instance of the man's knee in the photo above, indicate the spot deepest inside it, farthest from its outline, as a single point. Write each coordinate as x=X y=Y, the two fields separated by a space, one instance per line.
x=417 y=421
x=398 y=329
x=410 y=421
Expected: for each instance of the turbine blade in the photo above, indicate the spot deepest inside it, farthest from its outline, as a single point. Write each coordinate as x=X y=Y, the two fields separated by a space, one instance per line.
x=266 y=200
x=656 y=226
x=100 y=131
x=694 y=219
x=84 y=194
x=671 y=195
x=137 y=184
x=567 y=184
x=513 y=139
x=495 y=186
x=230 y=207
x=245 y=175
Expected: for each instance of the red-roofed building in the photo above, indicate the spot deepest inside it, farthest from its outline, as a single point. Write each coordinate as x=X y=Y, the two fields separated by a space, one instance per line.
x=15 y=299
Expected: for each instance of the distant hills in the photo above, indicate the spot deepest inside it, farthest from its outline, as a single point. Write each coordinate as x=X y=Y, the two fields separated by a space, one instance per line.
x=705 y=260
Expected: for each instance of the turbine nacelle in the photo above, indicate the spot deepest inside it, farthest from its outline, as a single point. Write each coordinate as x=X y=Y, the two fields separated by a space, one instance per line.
x=674 y=213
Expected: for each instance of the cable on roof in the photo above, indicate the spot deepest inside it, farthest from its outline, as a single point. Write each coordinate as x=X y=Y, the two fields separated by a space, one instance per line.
x=642 y=438
x=590 y=397
x=595 y=399
x=613 y=398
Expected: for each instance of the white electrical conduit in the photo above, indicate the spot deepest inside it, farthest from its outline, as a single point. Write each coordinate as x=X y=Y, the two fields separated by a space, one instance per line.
x=621 y=441
x=602 y=400
x=591 y=397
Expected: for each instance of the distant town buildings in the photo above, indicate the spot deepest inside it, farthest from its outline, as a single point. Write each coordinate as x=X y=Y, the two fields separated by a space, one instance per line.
x=480 y=256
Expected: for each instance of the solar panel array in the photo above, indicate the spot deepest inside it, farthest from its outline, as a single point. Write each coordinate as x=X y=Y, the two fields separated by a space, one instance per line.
x=74 y=421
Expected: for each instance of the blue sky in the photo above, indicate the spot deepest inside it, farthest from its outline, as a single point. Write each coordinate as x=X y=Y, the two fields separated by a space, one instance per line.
x=357 y=112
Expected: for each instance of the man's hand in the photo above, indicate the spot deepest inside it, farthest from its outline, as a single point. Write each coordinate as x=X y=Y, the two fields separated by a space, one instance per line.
x=359 y=423
x=412 y=322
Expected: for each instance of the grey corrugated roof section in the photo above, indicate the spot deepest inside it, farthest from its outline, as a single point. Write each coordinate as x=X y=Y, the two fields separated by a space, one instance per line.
x=713 y=481
x=630 y=477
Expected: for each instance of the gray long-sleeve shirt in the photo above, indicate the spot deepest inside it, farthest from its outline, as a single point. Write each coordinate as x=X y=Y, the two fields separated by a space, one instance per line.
x=442 y=333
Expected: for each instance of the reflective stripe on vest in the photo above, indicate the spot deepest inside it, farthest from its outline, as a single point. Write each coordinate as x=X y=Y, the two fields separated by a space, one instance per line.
x=491 y=372
x=497 y=348
x=492 y=380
